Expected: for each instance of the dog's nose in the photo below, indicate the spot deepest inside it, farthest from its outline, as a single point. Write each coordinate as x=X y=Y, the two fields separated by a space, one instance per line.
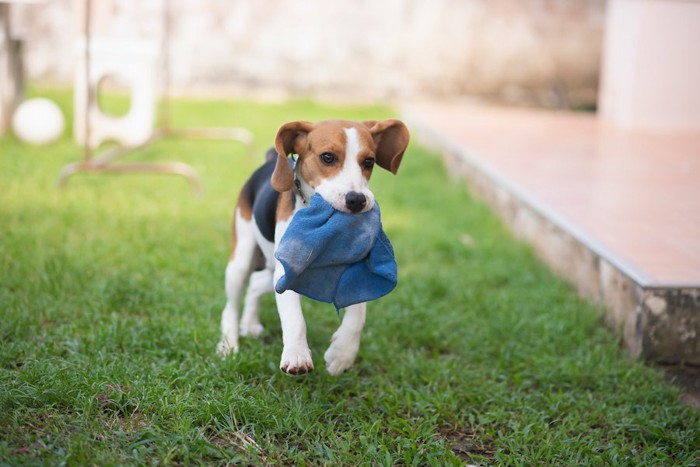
x=355 y=201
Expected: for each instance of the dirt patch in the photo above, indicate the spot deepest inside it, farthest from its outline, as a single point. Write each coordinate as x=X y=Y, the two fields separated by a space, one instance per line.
x=688 y=379
x=235 y=439
x=468 y=445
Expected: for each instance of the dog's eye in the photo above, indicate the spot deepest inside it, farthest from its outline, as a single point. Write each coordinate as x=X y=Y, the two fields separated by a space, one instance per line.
x=328 y=158
x=368 y=163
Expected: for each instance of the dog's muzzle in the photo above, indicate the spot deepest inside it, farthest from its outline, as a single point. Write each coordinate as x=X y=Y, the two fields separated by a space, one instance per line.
x=355 y=202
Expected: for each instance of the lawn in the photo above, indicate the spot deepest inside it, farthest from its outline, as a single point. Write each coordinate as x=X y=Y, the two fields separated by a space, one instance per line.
x=111 y=292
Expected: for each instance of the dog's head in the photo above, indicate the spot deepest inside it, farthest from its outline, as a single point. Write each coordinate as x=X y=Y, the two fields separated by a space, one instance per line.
x=336 y=158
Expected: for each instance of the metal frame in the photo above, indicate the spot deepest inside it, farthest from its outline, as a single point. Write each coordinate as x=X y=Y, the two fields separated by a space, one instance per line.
x=104 y=161
x=11 y=68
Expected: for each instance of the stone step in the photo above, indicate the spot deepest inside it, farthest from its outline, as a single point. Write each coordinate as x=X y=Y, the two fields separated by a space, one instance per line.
x=616 y=212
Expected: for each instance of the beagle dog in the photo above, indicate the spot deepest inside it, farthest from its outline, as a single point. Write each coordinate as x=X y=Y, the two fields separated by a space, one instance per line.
x=335 y=159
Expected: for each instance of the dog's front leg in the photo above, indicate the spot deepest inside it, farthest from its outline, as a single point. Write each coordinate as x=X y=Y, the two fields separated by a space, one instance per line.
x=296 y=356
x=346 y=341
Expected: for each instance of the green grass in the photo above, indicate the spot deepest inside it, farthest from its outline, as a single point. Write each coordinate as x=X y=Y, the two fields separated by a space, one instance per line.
x=110 y=298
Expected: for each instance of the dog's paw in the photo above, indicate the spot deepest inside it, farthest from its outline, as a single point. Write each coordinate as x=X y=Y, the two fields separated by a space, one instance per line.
x=296 y=361
x=339 y=357
x=226 y=347
x=251 y=329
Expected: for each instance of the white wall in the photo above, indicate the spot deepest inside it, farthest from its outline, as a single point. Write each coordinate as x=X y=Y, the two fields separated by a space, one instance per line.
x=538 y=51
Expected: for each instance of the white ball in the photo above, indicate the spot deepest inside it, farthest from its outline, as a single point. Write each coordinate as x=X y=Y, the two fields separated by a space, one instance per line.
x=38 y=121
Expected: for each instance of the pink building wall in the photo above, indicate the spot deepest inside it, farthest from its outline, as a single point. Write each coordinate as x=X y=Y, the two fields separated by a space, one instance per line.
x=650 y=77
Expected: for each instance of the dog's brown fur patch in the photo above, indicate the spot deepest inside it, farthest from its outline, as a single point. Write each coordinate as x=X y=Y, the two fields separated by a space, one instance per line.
x=285 y=206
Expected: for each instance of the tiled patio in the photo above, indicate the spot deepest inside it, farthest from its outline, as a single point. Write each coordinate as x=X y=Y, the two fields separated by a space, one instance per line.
x=615 y=211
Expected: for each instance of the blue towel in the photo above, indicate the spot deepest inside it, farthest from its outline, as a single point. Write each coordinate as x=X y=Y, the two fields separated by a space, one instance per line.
x=336 y=257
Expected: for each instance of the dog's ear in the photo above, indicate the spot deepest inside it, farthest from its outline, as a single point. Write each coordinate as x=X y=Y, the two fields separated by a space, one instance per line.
x=290 y=138
x=391 y=137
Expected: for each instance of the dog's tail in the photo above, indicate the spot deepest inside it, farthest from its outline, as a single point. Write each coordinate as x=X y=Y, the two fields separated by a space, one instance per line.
x=270 y=154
